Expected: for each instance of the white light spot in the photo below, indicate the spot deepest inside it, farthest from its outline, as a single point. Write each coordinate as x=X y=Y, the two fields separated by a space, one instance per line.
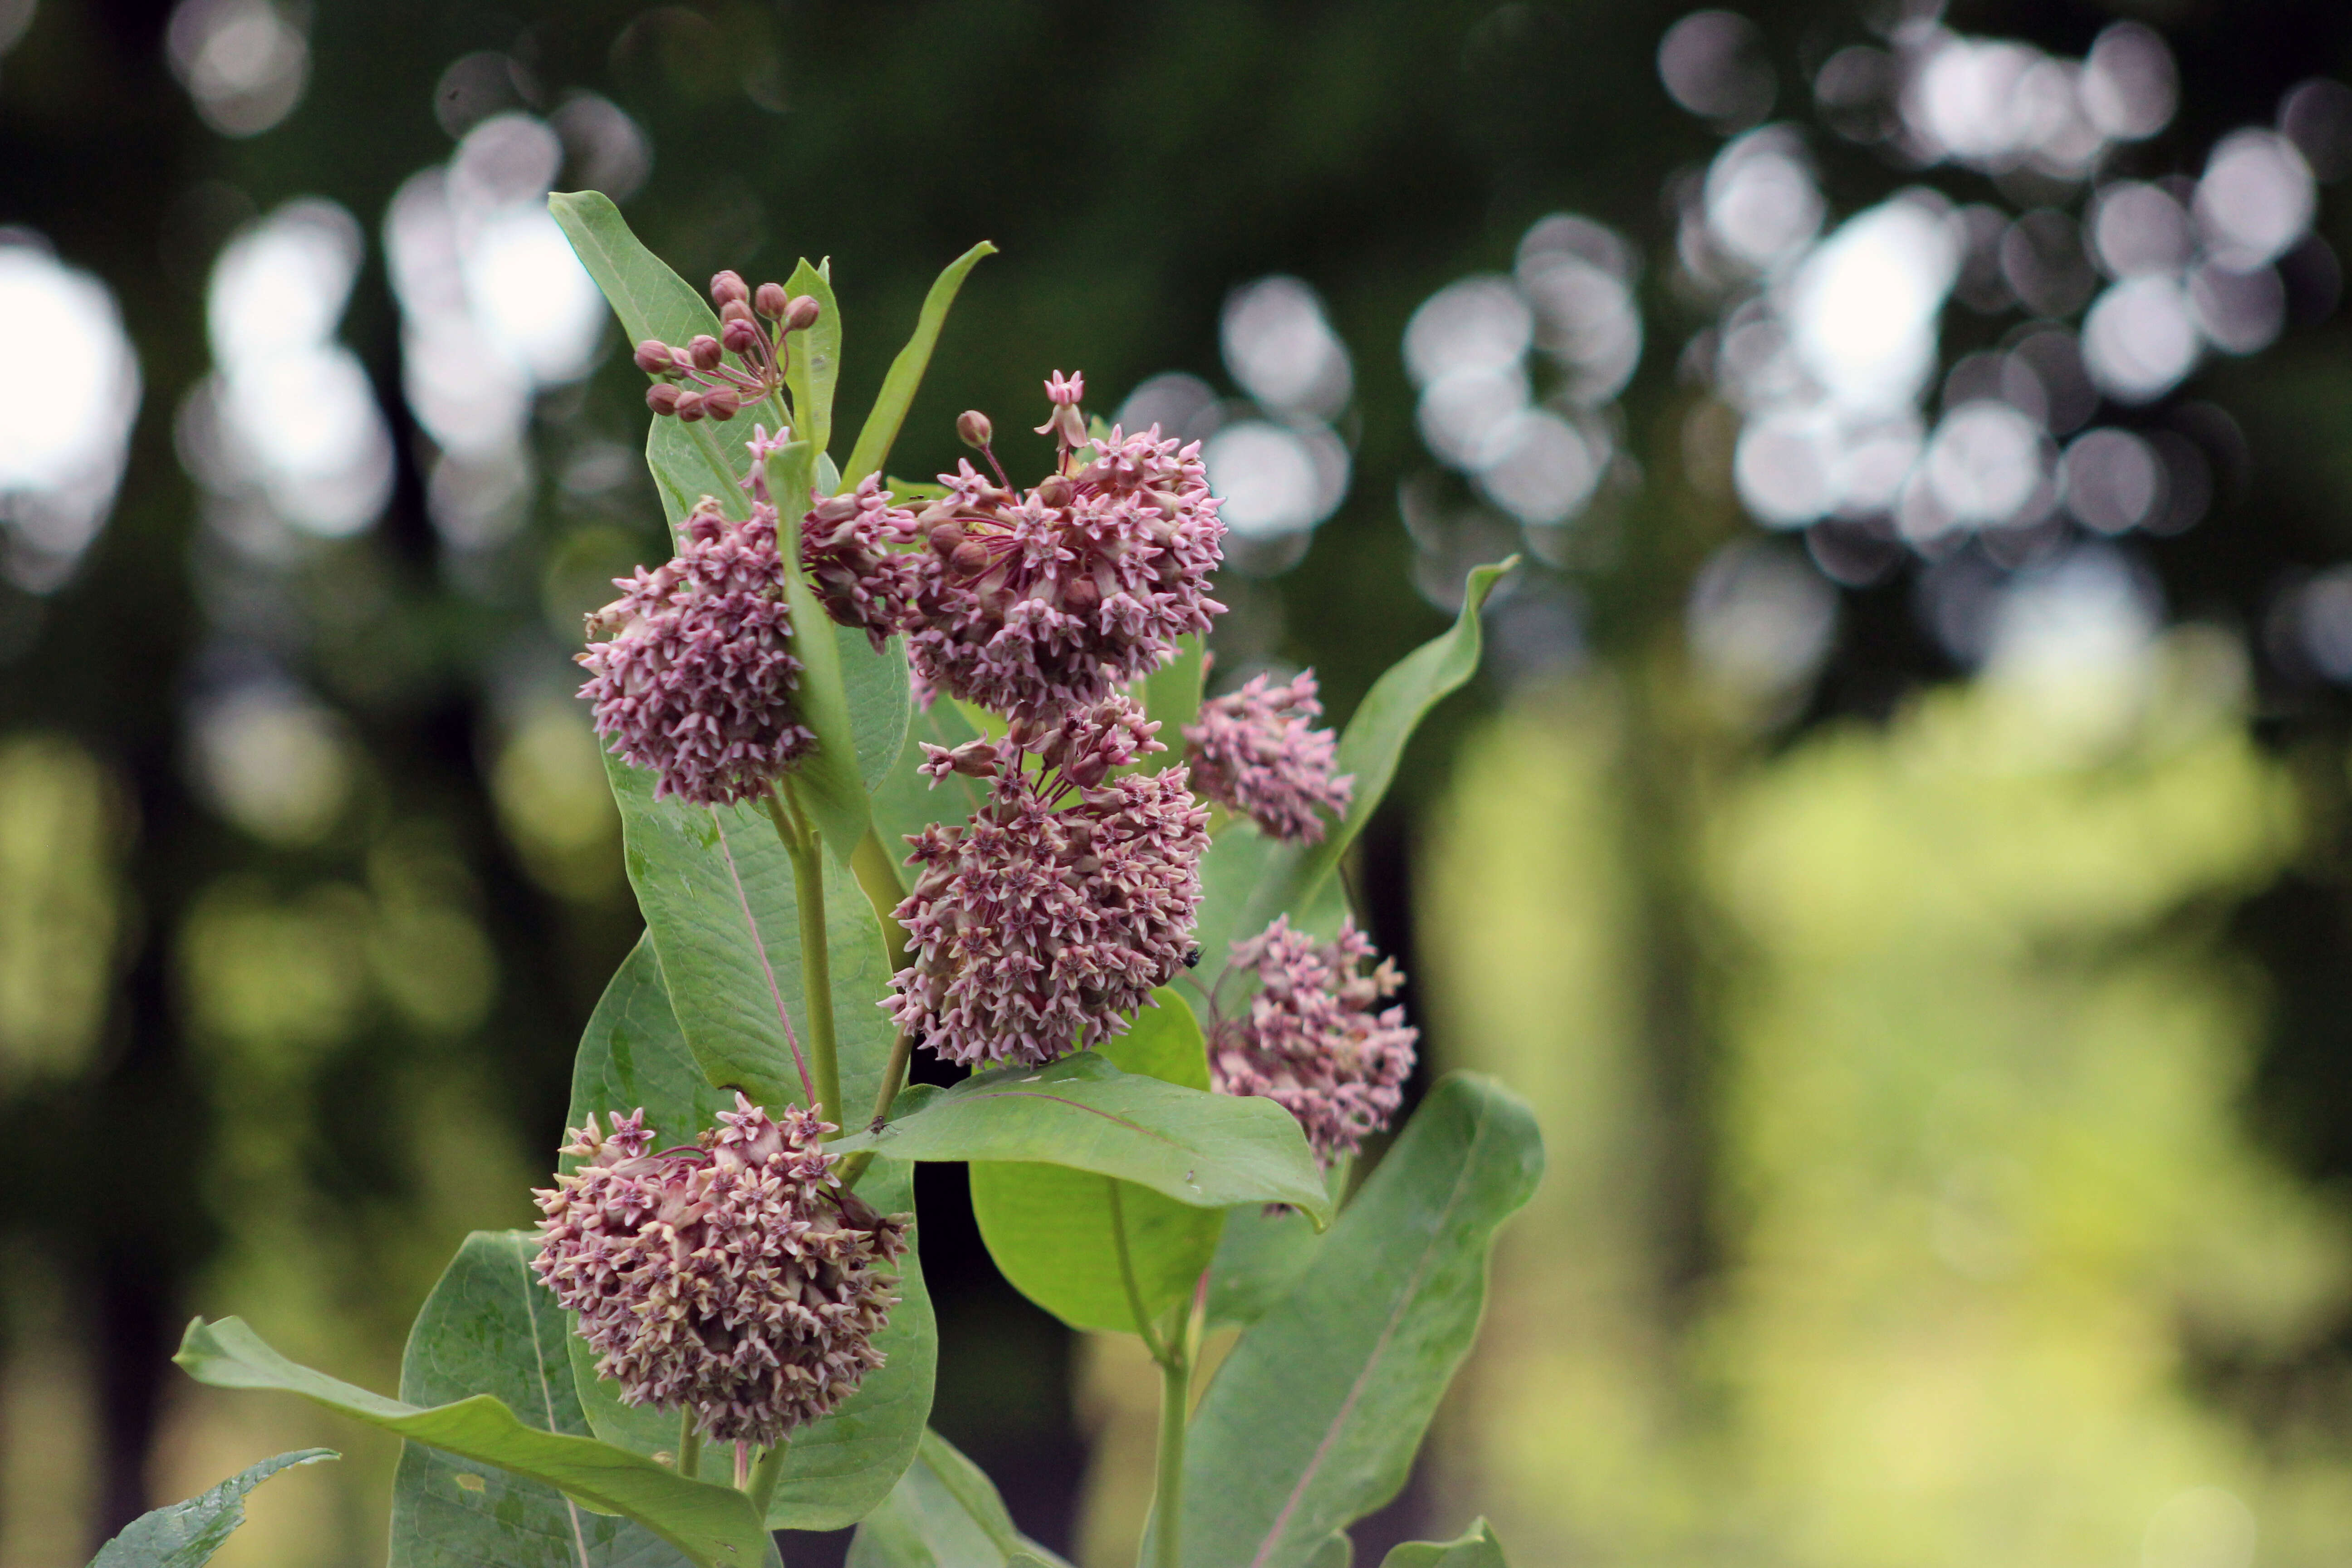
x=1713 y=64
x=1468 y=419
x=1784 y=468
x=2113 y=481
x=243 y=62
x=1480 y=324
x=1281 y=349
x=2129 y=84
x=1545 y=471
x=1761 y=203
x=63 y=432
x=1984 y=462
x=2140 y=340
x=2255 y=199
x=1864 y=306
x=1267 y=477
x=2135 y=228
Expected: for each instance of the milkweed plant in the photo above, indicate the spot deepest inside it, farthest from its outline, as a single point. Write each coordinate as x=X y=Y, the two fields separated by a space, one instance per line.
x=928 y=767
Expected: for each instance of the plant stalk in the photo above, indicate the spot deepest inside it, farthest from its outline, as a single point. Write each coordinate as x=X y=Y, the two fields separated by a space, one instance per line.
x=877 y=876
x=762 y=1489
x=1168 y=1494
x=689 y=1445
x=799 y=838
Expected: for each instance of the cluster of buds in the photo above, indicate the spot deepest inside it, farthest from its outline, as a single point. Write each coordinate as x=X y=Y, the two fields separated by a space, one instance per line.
x=846 y=549
x=1039 y=926
x=754 y=325
x=697 y=677
x=736 y=1277
x=1310 y=1040
x=1256 y=752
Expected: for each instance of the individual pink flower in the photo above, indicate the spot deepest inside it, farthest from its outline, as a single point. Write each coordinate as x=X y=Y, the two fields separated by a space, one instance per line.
x=1030 y=601
x=1044 y=923
x=1256 y=752
x=736 y=1277
x=1310 y=1040
x=696 y=678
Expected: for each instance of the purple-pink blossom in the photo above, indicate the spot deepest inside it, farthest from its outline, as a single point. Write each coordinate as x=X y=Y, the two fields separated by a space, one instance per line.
x=1256 y=752
x=1044 y=923
x=1310 y=1040
x=1029 y=601
x=736 y=1277
x=696 y=679
x=846 y=547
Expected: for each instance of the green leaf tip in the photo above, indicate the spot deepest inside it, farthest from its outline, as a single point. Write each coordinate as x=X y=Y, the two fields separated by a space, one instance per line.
x=186 y=1534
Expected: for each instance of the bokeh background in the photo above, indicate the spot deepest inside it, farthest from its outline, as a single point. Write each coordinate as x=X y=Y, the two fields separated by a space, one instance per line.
x=1901 y=842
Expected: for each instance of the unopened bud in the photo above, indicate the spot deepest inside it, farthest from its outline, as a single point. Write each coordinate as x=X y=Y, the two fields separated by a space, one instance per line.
x=1081 y=596
x=719 y=405
x=1087 y=771
x=770 y=300
x=739 y=337
x=835 y=509
x=653 y=357
x=946 y=538
x=801 y=313
x=735 y=311
x=1166 y=500
x=973 y=425
x=728 y=287
x=969 y=557
x=688 y=406
x=1056 y=491
x=662 y=397
x=704 y=350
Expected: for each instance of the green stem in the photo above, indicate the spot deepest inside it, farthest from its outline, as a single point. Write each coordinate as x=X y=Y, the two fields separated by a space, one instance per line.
x=1168 y=1495
x=1126 y=1275
x=816 y=956
x=689 y=1445
x=762 y=1489
x=878 y=876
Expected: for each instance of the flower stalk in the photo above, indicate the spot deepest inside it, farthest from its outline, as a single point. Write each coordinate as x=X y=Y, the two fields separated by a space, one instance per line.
x=800 y=841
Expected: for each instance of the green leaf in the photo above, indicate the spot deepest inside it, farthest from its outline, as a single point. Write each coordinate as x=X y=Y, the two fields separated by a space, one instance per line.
x=1476 y=1549
x=816 y=362
x=897 y=394
x=839 y=1468
x=711 y=1525
x=716 y=887
x=1261 y=1255
x=881 y=706
x=186 y=1534
x=1337 y=1551
x=1056 y=1233
x=905 y=803
x=1172 y=698
x=944 y=1513
x=491 y=1328
x=1312 y=1421
x=1245 y=884
x=1212 y=1150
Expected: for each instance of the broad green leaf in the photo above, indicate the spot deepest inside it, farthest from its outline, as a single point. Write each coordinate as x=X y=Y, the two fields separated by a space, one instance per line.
x=653 y=301
x=633 y=1055
x=1054 y=1232
x=1477 y=1548
x=828 y=782
x=1245 y=885
x=944 y=1513
x=1212 y=1150
x=716 y=887
x=874 y=685
x=1262 y=1255
x=1171 y=695
x=711 y=1524
x=1312 y=1421
x=897 y=394
x=491 y=1328
x=905 y=803
x=186 y=1534
x=815 y=359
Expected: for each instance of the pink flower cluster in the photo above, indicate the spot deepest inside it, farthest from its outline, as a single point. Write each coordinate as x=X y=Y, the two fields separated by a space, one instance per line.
x=846 y=549
x=737 y=1279
x=696 y=678
x=1029 y=601
x=1310 y=1040
x=1256 y=750
x=1040 y=925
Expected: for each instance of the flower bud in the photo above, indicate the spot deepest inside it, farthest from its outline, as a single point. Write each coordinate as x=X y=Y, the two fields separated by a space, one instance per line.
x=946 y=538
x=770 y=300
x=704 y=350
x=653 y=357
x=1056 y=491
x=739 y=337
x=734 y=310
x=801 y=314
x=727 y=287
x=969 y=557
x=719 y=405
x=973 y=425
x=1080 y=596
x=662 y=397
x=688 y=406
